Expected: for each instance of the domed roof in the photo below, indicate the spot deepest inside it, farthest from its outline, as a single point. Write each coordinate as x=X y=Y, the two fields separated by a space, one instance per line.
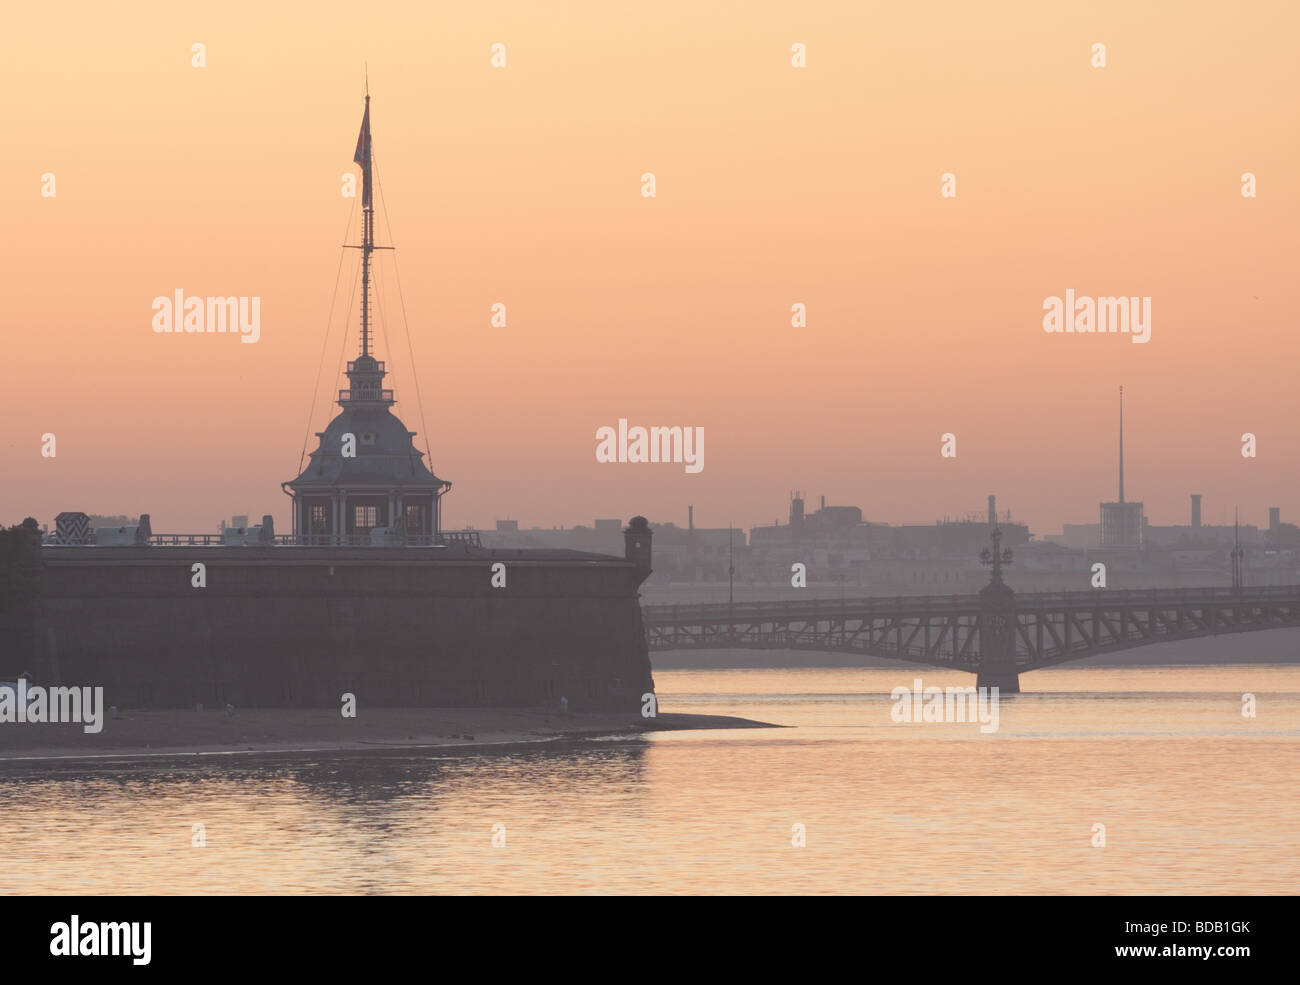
x=385 y=452
x=380 y=450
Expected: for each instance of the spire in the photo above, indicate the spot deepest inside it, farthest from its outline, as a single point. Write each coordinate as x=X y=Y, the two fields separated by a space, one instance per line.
x=1121 y=444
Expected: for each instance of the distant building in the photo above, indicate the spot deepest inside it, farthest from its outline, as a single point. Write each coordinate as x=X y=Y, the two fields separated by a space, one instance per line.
x=1121 y=526
x=838 y=524
x=1077 y=536
x=1206 y=537
x=837 y=537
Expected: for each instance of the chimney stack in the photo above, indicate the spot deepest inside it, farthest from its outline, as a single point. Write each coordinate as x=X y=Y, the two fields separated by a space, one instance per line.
x=690 y=518
x=1196 y=511
x=1274 y=518
x=993 y=511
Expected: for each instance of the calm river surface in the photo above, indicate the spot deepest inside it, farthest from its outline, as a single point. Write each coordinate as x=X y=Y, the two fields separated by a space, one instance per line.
x=1195 y=798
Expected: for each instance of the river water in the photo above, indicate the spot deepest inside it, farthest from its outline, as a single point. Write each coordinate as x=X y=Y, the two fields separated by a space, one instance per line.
x=1194 y=798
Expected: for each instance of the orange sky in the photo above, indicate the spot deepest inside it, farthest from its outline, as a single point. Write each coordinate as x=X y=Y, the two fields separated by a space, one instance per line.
x=775 y=185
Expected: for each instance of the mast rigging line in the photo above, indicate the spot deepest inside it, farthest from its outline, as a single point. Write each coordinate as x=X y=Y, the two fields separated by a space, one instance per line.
x=415 y=376
x=383 y=327
x=329 y=321
x=343 y=341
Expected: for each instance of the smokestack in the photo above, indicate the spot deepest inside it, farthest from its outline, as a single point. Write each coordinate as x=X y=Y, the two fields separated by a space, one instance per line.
x=1274 y=518
x=1121 y=444
x=690 y=518
x=823 y=502
x=1196 y=511
x=993 y=511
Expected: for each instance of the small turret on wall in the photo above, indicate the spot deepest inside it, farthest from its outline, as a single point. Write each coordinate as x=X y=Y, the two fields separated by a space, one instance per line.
x=21 y=575
x=636 y=539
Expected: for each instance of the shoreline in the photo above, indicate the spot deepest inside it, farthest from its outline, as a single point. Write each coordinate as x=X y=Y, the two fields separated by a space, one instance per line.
x=180 y=734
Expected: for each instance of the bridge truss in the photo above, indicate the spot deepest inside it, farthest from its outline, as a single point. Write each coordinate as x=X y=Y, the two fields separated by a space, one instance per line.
x=946 y=631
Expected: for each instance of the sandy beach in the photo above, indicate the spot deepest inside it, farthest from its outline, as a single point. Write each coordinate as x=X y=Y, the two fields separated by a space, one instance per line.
x=174 y=732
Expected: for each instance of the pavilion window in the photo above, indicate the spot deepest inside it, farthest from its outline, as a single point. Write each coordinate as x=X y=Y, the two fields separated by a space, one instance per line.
x=365 y=518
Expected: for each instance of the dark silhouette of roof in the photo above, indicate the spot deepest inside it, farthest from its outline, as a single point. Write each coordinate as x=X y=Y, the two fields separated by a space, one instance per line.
x=385 y=452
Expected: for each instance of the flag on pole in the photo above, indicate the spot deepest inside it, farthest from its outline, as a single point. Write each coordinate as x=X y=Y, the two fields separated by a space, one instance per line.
x=362 y=156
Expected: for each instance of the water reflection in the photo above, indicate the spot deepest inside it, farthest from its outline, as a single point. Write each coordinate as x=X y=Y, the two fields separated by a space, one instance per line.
x=1196 y=799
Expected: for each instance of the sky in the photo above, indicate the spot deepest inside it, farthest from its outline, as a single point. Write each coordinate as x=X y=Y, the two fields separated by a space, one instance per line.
x=775 y=185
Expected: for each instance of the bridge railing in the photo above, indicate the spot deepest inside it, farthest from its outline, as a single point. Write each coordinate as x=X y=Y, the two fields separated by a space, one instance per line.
x=1157 y=596
x=716 y=612
x=795 y=608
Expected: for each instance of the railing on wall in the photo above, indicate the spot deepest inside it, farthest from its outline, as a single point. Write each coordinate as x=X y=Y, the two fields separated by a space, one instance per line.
x=448 y=538
x=451 y=538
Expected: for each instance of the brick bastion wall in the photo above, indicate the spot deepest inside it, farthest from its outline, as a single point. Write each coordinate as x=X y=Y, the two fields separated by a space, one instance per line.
x=300 y=626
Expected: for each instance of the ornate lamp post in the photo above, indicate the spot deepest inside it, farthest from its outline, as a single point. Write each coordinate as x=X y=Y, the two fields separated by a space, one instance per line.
x=995 y=558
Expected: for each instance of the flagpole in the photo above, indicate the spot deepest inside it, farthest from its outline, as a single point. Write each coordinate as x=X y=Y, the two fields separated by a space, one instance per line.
x=367 y=227
x=365 y=158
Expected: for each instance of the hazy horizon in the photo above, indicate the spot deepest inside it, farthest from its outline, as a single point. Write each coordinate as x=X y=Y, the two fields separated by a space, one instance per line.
x=775 y=186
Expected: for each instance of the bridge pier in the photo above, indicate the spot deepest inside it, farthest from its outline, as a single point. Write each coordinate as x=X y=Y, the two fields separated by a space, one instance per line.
x=998 y=639
x=1002 y=675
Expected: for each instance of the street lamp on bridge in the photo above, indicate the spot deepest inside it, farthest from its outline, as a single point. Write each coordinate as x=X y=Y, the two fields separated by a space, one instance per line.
x=995 y=558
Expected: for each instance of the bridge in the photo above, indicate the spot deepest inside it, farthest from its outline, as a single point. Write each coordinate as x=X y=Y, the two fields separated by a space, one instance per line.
x=996 y=634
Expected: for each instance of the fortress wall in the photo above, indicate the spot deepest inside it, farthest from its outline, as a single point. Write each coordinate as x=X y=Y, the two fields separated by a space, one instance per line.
x=301 y=626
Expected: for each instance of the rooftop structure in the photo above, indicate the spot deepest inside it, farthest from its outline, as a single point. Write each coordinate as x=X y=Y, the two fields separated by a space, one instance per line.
x=366 y=478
